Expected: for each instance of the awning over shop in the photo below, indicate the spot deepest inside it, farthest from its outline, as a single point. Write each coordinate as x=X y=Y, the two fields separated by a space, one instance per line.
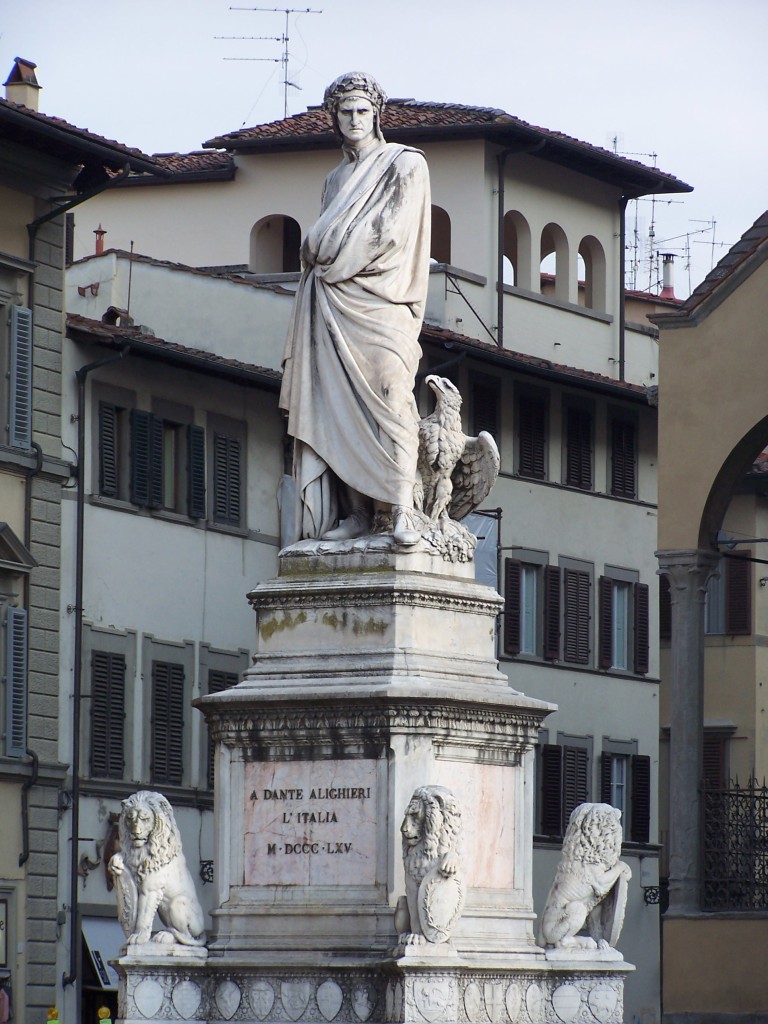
x=103 y=939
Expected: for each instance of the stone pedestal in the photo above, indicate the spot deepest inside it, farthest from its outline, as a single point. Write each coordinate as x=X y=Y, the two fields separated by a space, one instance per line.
x=374 y=674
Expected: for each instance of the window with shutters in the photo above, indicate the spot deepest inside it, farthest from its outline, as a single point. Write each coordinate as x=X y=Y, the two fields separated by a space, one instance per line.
x=218 y=680
x=532 y=434
x=717 y=768
x=485 y=406
x=577 y=612
x=532 y=606
x=579 y=441
x=622 y=473
x=665 y=608
x=227 y=472
x=218 y=670
x=625 y=782
x=623 y=616
x=155 y=460
x=108 y=700
x=728 y=602
x=167 y=713
x=169 y=735
x=19 y=425
x=565 y=772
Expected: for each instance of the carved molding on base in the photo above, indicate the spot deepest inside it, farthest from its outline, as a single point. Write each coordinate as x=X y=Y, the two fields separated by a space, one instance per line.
x=394 y=993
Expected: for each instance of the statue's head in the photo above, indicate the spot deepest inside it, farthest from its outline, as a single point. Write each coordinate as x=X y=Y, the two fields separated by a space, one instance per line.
x=350 y=86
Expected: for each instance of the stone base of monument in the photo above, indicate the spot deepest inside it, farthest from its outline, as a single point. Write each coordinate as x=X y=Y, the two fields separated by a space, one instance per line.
x=374 y=676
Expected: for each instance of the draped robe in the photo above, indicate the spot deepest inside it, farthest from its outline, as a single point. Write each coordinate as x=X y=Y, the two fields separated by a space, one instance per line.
x=352 y=350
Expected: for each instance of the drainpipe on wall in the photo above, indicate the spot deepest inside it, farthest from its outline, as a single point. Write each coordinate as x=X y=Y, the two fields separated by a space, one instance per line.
x=77 y=662
x=622 y=288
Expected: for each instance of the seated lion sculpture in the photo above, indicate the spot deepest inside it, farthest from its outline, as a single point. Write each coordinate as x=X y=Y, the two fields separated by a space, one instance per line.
x=590 y=885
x=434 y=888
x=151 y=875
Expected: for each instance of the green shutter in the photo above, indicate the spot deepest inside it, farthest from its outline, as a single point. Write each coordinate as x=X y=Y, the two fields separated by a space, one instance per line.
x=16 y=682
x=578 y=459
x=227 y=479
x=107 y=715
x=167 y=756
x=551 y=612
x=623 y=458
x=196 y=472
x=551 y=789
x=640 y=824
x=532 y=436
x=605 y=621
x=108 y=450
x=20 y=369
x=576 y=616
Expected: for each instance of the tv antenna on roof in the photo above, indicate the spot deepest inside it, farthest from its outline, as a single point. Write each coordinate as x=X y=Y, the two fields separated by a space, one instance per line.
x=284 y=39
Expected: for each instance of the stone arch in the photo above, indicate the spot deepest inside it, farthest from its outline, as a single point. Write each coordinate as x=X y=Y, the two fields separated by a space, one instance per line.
x=441 y=235
x=275 y=245
x=518 y=250
x=595 y=275
x=554 y=243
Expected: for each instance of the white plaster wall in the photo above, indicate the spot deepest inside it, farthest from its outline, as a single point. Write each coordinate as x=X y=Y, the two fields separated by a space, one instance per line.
x=233 y=319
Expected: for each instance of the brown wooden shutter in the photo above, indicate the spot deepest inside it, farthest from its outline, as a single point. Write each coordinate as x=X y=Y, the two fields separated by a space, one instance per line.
x=623 y=458
x=217 y=681
x=107 y=714
x=575 y=780
x=642 y=628
x=167 y=722
x=605 y=622
x=227 y=478
x=196 y=472
x=485 y=409
x=665 y=608
x=715 y=749
x=551 y=789
x=551 y=612
x=606 y=771
x=738 y=595
x=640 y=810
x=576 y=587
x=512 y=573
x=108 y=450
x=532 y=430
x=578 y=459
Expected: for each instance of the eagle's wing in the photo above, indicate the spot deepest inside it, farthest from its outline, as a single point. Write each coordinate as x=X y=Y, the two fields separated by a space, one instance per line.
x=474 y=474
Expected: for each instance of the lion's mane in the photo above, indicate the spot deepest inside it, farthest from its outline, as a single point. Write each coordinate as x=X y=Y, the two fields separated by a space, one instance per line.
x=593 y=835
x=164 y=842
x=440 y=832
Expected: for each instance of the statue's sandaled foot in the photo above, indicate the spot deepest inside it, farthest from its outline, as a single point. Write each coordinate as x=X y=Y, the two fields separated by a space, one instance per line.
x=357 y=524
x=402 y=527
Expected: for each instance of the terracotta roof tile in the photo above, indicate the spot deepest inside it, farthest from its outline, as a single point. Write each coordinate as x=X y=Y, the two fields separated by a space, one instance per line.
x=523 y=361
x=748 y=244
x=198 y=160
x=411 y=119
x=16 y=114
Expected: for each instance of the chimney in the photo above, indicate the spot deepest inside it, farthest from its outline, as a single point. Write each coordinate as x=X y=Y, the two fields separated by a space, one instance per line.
x=668 y=276
x=99 y=232
x=21 y=85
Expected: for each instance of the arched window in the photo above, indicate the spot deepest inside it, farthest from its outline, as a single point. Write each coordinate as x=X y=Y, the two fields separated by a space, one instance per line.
x=441 y=235
x=554 y=259
x=517 y=250
x=275 y=245
x=593 y=256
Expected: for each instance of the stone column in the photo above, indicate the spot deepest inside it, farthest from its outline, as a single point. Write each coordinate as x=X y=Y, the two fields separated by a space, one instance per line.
x=688 y=573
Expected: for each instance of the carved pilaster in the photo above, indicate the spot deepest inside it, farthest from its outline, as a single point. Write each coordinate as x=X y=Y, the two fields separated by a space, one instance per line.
x=689 y=573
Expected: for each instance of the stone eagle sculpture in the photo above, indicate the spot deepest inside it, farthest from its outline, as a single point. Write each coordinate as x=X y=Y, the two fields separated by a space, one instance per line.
x=455 y=473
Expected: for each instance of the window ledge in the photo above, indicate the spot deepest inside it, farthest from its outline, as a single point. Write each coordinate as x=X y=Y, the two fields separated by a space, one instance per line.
x=463 y=275
x=568 y=307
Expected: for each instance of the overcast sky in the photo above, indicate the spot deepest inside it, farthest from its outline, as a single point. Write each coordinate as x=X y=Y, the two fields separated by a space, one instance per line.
x=685 y=80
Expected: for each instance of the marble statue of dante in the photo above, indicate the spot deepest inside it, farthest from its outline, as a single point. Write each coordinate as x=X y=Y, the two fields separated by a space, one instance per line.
x=352 y=349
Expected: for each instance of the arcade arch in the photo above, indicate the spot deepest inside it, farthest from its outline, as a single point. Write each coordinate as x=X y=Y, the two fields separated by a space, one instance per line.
x=275 y=245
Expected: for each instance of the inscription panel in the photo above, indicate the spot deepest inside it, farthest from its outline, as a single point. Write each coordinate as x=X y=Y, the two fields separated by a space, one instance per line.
x=310 y=823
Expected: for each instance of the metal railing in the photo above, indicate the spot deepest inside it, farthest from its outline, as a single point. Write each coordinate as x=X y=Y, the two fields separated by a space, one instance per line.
x=736 y=848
